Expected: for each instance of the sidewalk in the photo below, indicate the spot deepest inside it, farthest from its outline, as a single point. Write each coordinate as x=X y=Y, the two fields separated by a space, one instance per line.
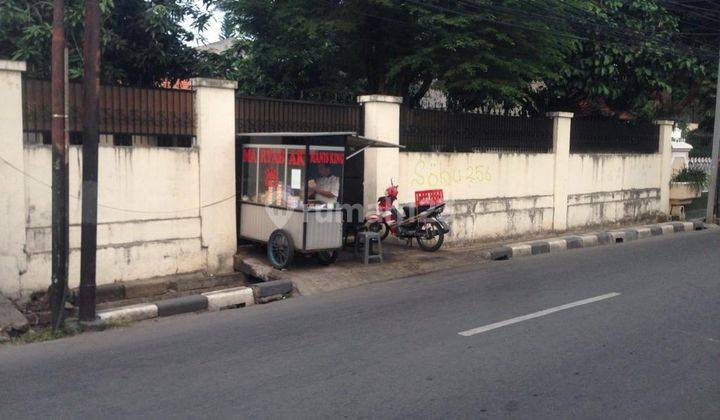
x=402 y=261
x=310 y=278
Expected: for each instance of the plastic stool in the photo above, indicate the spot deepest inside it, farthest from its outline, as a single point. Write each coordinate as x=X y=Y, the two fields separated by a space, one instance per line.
x=366 y=239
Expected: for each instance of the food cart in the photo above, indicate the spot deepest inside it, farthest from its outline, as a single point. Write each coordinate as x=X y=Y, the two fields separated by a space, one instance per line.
x=290 y=188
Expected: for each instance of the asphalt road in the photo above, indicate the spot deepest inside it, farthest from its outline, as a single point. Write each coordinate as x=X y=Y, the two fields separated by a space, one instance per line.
x=394 y=349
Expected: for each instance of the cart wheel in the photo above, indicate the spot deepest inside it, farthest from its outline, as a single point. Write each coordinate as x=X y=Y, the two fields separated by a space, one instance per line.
x=327 y=257
x=280 y=249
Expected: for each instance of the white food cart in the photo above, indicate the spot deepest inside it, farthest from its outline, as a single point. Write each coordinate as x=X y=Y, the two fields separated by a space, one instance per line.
x=290 y=189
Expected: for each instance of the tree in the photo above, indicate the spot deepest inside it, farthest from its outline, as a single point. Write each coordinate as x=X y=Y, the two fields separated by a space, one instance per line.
x=143 y=42
x=633 y=60
x=476 y=51
x=694 y=97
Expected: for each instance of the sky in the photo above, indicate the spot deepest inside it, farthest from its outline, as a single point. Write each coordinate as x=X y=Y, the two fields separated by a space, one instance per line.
x=212 y=32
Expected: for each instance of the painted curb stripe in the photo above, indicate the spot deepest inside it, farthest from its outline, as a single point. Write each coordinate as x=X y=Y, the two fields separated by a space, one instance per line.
x=137 y=312
x=604 y=238
x=643 y=232
x=521 y=250
x=590 y=240
x=656 y=230
x=557 y=245
x=274 y=288
x=573 y=242
x=678 y=227
x=181 y=305
x=229 y=298
x=667 y=229
x=631 y=234
x=541 y=247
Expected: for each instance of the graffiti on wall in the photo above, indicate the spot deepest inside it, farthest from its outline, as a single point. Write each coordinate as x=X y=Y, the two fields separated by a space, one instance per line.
x=432 y=173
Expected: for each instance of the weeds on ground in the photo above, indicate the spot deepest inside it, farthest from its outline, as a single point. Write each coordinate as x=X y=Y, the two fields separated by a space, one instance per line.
x=47 y=334
x=44 y=334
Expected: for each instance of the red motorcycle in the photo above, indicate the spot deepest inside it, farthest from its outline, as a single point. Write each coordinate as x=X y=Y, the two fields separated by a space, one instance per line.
x=421 y=222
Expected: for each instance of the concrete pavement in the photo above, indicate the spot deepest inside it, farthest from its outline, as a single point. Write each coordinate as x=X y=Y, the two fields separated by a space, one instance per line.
x=394 y=349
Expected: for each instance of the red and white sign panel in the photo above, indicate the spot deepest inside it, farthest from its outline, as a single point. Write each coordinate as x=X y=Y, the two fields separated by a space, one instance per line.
x=429 y=198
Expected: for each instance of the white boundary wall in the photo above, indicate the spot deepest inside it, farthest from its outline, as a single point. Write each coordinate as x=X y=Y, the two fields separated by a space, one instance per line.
x=140 y=233
x=489 y=194
x=608 y=188
x=162 y=211
x=172 y=210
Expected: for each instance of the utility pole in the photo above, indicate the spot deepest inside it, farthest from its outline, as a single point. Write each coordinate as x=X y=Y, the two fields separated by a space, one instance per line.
x=91 y=105
x=60 y=188
x=713 y=187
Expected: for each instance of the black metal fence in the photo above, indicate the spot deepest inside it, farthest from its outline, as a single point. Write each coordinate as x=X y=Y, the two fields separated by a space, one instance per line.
x=123 y=110
x=255 y=115
x=606 y=135
x=442 y=131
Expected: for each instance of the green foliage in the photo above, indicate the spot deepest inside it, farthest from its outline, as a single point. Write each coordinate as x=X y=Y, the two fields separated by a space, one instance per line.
x=697 y=178
x=622 y=58
x=477 y=52
x=634 y=60
x=142 y=41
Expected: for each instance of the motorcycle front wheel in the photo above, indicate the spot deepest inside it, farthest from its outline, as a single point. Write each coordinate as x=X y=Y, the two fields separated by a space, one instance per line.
x=431 y=236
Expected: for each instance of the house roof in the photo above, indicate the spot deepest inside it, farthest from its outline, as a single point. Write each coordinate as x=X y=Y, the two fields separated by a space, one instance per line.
x=218 y=47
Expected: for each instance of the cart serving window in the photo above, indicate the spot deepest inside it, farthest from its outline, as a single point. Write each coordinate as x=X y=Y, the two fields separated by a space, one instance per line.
x=290 y=188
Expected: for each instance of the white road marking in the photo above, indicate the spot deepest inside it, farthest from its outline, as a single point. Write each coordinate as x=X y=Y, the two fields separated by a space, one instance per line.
x=549 y=311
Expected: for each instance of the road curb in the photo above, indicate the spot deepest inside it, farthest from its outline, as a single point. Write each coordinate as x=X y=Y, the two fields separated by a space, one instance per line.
x=569 y=242
x=272 y=290
x=236 y=297
x=128 y=313
x=230 y=298
x=181 y=305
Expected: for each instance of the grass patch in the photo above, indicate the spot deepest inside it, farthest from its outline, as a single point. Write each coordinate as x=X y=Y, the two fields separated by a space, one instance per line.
x=70 y=329
x=35 y=336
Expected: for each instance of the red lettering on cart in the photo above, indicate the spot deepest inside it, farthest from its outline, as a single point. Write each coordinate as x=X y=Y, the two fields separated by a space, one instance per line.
x=327 y=158
x=249 y=155
x=272 y=156
x=296 y=158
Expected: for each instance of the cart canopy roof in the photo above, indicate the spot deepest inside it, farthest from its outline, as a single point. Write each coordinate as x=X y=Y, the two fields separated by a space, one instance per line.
x=352 y=139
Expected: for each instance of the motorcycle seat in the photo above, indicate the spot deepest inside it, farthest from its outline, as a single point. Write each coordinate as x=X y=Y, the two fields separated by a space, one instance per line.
x=412 y=210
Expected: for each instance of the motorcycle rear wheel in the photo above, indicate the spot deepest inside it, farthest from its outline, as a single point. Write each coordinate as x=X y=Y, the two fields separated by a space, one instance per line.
x=433 y=239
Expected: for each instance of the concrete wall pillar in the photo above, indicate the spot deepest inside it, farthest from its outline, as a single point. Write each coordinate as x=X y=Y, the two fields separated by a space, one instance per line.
x=561 y=149
x=215 y=136
x=382 y=122
x=680 y=155
x=13 y=262
x=665 y=150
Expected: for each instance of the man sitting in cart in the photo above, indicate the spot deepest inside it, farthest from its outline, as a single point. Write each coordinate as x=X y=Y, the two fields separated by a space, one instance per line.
x=326 y=186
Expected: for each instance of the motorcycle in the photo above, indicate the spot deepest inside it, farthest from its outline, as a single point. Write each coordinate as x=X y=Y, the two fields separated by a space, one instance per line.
x=422 y=223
